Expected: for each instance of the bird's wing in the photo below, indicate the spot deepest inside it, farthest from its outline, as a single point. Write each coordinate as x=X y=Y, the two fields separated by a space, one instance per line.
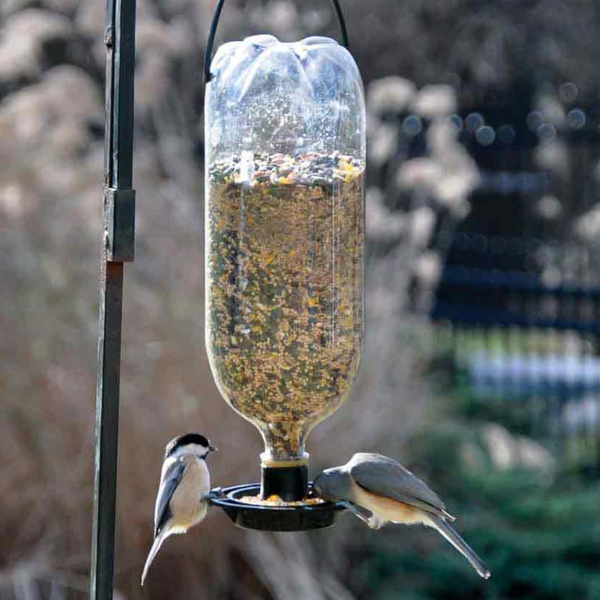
x=370 y=470
x=169 y=482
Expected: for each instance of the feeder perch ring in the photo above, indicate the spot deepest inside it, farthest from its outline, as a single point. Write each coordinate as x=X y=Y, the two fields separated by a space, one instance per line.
x=263 y=517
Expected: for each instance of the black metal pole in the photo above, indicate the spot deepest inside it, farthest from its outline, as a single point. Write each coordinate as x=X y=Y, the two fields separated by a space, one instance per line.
x=117 y=248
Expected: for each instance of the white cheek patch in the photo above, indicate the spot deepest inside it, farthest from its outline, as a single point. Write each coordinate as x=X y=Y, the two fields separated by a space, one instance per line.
x=195 y=449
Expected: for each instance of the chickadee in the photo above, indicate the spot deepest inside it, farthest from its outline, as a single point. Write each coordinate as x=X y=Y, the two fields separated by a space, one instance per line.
x=379 y=490
x=182 y=496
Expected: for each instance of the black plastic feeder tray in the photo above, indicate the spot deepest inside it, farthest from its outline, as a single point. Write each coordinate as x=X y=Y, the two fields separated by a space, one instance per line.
x=301 y=517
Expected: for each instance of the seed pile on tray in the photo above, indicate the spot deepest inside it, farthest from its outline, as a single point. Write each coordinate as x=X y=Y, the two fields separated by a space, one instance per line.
x=284 y=287
x=276 y=500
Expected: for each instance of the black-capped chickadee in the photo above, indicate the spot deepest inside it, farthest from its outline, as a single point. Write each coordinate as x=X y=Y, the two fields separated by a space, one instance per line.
x=379 y=490
x=181 y=502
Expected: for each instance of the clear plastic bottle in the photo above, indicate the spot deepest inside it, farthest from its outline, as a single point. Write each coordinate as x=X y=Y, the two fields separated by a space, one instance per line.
x=285 y=161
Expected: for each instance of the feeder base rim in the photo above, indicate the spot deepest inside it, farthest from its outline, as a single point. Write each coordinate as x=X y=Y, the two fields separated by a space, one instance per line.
x=303 y=517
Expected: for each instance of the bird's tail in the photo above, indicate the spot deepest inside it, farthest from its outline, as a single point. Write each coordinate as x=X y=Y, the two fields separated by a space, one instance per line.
x=158 y=540
x=450 y=534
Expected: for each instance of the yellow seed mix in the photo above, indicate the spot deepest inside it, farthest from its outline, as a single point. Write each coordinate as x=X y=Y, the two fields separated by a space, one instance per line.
x=284 y=289
x=276 y=500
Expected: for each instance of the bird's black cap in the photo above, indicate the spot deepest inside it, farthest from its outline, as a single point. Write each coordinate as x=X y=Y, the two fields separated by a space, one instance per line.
x=188 y=438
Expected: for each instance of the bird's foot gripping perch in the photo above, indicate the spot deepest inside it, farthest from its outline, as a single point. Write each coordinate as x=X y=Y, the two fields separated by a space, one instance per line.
x=214 y=494
x=363 y=514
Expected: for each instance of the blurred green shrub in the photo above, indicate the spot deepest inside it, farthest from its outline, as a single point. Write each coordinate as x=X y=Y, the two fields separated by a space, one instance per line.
x=539 y=535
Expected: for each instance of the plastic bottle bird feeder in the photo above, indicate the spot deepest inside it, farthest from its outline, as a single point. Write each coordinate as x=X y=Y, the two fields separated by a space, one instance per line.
x=285 y=163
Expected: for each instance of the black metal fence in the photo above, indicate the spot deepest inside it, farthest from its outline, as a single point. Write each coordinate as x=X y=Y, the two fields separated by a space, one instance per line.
x=518 y=300
x=521 y=318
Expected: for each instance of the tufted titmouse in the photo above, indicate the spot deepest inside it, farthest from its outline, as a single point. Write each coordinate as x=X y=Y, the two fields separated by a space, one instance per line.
x=379 y=490
x=184 y=486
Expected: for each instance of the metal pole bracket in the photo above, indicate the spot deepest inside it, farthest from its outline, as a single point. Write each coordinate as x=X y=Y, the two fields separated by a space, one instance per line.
x=119 y=219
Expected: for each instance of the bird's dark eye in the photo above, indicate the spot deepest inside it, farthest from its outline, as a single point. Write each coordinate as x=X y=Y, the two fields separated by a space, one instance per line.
x=202 y=440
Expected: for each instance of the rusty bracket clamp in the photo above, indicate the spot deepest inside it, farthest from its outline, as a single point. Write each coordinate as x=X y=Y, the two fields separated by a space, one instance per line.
x=119 y=223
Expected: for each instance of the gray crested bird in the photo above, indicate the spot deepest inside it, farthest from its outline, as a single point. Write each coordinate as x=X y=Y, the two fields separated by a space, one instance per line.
x=379 y=490
x=181 y=501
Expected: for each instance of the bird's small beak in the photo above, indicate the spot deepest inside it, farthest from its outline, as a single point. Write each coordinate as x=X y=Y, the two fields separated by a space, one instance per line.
x=213 y=448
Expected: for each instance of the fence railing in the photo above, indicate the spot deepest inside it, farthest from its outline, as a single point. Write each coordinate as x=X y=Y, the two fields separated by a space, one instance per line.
x=526 y=341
